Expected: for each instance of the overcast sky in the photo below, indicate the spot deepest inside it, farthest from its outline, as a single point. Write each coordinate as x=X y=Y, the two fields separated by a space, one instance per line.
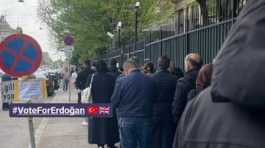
x=25 y=16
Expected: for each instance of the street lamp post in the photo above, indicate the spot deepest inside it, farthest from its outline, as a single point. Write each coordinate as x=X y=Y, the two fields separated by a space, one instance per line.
x=119 y=25
x=137 y=5
x=111 y=36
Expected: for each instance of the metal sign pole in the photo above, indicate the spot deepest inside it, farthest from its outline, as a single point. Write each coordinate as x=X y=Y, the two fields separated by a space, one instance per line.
x=69 y=81
x=31 y=132
x=68 y=41
x=69 y=67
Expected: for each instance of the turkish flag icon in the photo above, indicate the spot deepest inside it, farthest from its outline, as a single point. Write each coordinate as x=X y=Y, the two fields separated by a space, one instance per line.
x=92 y=110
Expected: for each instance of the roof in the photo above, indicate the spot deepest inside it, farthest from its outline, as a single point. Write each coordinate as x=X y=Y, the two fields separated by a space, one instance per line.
x=5 y=29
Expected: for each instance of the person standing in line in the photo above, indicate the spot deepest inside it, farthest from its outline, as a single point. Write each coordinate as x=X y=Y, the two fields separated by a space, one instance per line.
x=203 y=81
x=82 y=78
x=149 y=68
x=103 y=131
x=176 y=71
x=113 y=70
x=164 y=128
x=133 y=101
x=192 y=65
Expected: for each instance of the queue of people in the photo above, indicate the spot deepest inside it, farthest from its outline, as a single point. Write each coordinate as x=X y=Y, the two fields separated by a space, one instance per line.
x=142 y=100
x=216 y=105
x=156 y=109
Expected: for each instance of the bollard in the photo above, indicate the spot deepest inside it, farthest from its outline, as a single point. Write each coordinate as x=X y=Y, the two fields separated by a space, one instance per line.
x=79 y=96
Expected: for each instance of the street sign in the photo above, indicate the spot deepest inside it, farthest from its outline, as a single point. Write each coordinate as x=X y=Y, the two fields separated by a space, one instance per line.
x=66 y=49
x=69 y=40
x=20 y=55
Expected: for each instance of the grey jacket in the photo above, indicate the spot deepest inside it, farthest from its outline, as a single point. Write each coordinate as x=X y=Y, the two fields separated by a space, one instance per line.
x=231 y=112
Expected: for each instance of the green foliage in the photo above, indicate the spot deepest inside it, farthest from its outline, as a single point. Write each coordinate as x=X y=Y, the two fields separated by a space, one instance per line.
x=89 y=21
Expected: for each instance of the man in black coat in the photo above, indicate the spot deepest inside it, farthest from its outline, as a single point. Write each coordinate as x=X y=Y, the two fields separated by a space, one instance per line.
x=113 y=70
x=192 y=66
x=230 y=113
x=163 y=129
x=133 y=100
x=82 y=78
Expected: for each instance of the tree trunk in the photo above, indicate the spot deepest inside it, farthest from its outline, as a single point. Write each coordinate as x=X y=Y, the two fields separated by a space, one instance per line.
x=226 y=9
x=204 y=11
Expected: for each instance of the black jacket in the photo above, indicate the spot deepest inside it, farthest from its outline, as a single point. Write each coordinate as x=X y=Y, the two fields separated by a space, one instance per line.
x=114 y=71
x=166 y=84
x=183 y=87
x=133 y=95
x=103 y=130
x=82 y=78
x=231 y=113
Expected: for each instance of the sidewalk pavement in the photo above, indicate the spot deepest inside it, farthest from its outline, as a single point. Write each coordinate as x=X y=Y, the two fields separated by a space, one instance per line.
x=63 y=132
x=49 y=132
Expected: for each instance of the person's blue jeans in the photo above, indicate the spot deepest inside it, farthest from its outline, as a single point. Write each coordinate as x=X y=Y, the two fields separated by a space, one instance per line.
x=135 y=132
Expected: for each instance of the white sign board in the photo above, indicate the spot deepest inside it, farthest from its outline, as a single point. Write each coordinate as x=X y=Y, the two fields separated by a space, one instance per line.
x=30 y=89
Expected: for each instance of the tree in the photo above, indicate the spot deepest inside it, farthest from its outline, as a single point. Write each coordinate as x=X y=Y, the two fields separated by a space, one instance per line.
x=89 y=21
x=204 y=11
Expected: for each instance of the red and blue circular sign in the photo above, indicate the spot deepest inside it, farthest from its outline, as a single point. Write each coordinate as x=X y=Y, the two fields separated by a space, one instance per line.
x=69 y=40
x=20 y=55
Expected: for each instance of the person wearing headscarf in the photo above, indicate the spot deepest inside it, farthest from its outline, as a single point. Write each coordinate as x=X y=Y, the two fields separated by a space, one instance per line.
x=203 y=81
x=102 y=131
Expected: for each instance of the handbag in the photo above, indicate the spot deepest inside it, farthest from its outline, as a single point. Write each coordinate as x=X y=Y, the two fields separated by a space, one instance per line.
x=86 y=93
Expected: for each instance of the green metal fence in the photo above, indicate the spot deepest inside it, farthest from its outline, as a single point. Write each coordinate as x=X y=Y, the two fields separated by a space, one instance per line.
x=205 y=39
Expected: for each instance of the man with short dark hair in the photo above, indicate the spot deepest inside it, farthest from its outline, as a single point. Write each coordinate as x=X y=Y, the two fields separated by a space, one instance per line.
x=113 y=70
x=133 y=100
x=192 y=65
x=163 y=129
x=82 y=78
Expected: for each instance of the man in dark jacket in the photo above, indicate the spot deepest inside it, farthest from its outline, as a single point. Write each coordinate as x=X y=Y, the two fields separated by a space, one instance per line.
x=132 y=98
x=163 y=129
x=192 y=66
x=113 y=70
x=230 y=113
x=82 y=78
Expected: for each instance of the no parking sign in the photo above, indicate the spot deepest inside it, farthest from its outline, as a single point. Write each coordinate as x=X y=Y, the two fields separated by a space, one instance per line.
x=20 y=55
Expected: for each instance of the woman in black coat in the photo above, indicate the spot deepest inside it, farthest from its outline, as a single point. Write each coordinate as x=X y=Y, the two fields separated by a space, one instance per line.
x=102 y=131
